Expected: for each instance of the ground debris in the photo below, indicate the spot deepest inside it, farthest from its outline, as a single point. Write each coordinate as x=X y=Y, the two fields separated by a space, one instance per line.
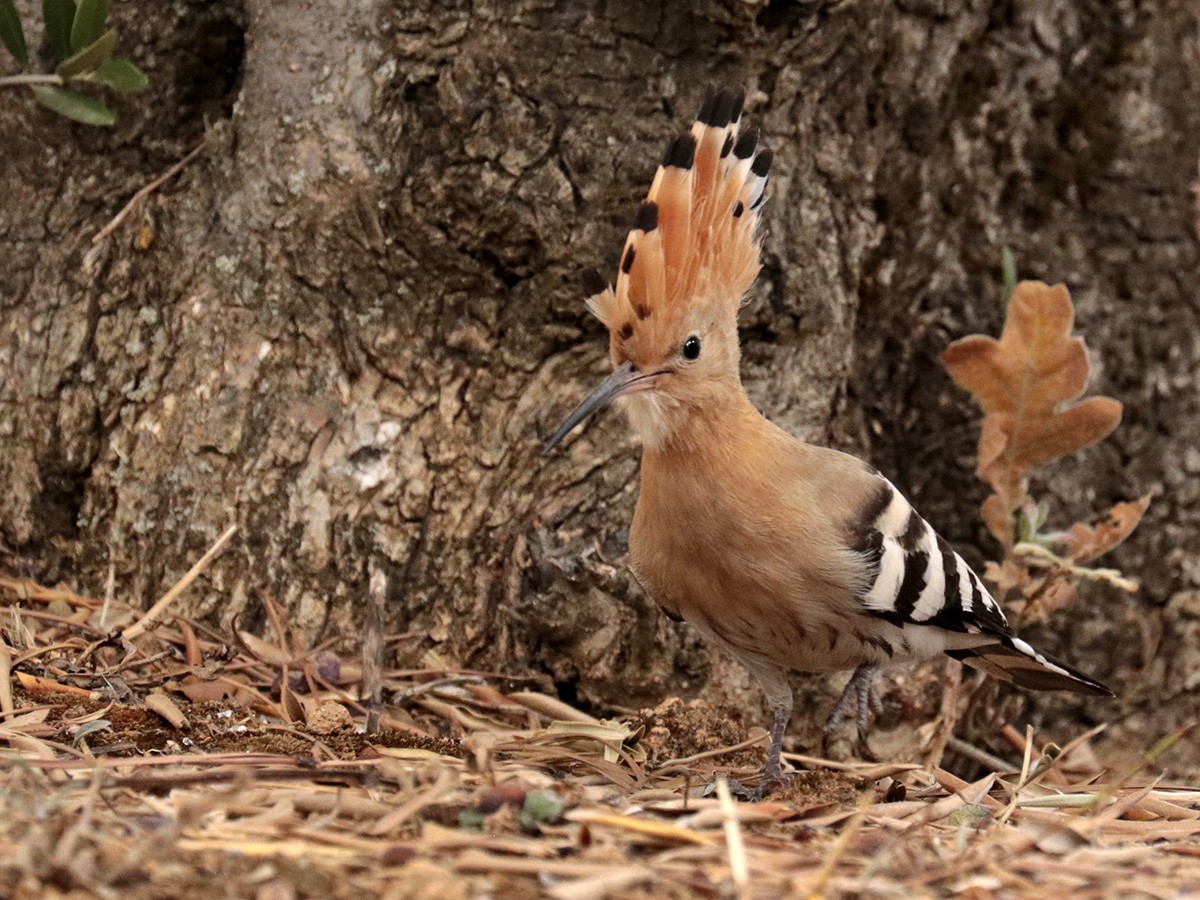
x=477 y=784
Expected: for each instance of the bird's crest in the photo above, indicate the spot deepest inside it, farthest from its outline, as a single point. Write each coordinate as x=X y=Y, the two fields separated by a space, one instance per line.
x=695 y=239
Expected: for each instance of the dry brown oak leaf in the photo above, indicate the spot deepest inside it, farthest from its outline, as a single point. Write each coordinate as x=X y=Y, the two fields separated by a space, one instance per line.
x=1028 y=383
x=1087 y=542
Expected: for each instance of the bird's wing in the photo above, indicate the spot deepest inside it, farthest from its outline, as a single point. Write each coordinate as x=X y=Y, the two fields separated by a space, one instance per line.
x=911 y=577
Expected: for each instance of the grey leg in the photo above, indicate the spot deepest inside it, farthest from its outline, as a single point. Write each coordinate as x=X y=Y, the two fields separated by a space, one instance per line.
x=779 y=695
x=774 y=771
x=861 y=696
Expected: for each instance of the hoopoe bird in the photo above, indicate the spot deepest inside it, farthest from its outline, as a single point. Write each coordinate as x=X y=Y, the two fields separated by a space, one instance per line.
x=792 y=557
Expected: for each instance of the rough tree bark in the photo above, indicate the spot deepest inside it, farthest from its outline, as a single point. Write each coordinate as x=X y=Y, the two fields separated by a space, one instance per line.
x=347 y=323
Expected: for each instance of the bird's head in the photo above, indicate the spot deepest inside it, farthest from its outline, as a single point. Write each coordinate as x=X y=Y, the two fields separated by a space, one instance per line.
x=691 y=257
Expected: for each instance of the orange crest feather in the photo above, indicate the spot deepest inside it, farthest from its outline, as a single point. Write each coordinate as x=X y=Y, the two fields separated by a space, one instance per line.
x=696 y=239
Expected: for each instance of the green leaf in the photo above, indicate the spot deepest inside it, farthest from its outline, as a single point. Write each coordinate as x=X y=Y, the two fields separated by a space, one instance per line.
x=75 y=106
x=1008 y=269
x=88 y=23
x=541 y=807
x=1043 y=515
x=11 y=32
x=58 y=16
x=972 y=815
x=89 y=728
x=471 y=819
x=1024 y=528
x=122 y=76
x=89 y=58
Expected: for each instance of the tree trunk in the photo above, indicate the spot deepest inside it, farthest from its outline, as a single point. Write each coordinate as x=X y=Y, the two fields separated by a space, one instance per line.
x=347 y=324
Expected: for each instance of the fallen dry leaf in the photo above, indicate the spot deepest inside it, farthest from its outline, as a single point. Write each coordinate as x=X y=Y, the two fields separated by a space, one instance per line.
x=1007 y=576
x=1087 y=542
x=198 y=690
x=35 y=684
x=159 y=702
x=1027 y=383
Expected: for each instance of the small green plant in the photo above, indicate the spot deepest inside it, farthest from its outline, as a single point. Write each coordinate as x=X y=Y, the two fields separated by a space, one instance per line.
x=83 y=47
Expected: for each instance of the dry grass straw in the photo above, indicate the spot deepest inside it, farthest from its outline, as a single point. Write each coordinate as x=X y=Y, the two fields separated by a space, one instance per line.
x=179 y=764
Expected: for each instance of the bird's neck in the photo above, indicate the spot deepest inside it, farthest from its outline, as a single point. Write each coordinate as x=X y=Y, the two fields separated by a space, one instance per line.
x=724 y=425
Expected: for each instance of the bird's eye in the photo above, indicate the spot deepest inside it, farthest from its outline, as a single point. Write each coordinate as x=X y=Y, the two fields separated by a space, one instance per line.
x=691 y=347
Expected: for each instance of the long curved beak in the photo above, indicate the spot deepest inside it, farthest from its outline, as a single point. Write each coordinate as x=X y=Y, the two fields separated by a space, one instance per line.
x=625 y=379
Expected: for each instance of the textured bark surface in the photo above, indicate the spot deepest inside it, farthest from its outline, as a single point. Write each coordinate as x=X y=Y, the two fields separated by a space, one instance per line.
x=347 y=323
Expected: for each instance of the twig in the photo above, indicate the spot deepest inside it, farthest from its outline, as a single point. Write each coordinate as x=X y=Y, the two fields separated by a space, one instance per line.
x=148 y=620
x=110 y=591
x=947 y=715
x=670 y=764
x=838 y=850
x=1024 y=780
x=733 y=839
x=981 y=756
x=25 y=589
x=372 y=651
x=29 y=80
x=89 y=259
x=1110 y=576
x=551 y=707
x=6 y=697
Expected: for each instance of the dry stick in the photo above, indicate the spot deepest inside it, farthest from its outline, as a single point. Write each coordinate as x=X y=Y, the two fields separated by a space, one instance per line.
x=1023 y=781
x=719 y=751
x=1031 y=776
x=733 y=840
x=57 y=620
x=147 y=621
x=110 y=591
x=981 y=756
x=25 y=589
x=6 y=697
x=89 y=258
x=372 y=652
x=838 y=850
x=947 y=715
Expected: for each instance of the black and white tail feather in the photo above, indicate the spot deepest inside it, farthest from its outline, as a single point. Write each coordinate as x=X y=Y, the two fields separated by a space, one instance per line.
x=914 y=578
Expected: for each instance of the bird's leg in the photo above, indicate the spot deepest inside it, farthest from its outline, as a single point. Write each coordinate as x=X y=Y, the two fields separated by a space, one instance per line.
x=773 y=773
x=859 y=694
x=779 y=695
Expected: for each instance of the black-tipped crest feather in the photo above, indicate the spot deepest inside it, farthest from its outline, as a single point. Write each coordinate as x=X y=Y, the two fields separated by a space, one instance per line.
x=593 y=282
x=647 y=217
x=681 y=153
x=746 y=142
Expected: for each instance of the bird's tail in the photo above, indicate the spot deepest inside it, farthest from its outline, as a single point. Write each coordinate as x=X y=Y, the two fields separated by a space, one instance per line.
x=1015 y=660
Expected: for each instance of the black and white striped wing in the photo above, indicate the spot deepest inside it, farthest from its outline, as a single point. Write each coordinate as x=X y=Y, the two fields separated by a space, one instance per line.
x=913 y=577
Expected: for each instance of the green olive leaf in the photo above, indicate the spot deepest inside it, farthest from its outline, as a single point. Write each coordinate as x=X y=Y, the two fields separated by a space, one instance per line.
x=11 y=32
x=88 y=23
x=75 y=106
x=122 y=76
x=89 y=58
x=58 y=16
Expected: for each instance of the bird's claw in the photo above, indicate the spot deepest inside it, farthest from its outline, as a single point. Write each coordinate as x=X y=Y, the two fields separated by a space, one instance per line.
x=862 y=696
x=768 y=784
x=863 y=750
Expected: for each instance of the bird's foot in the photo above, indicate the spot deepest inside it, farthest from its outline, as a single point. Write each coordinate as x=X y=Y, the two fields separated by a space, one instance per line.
x=770 y=783
x=862 y=696
x=863 y=750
